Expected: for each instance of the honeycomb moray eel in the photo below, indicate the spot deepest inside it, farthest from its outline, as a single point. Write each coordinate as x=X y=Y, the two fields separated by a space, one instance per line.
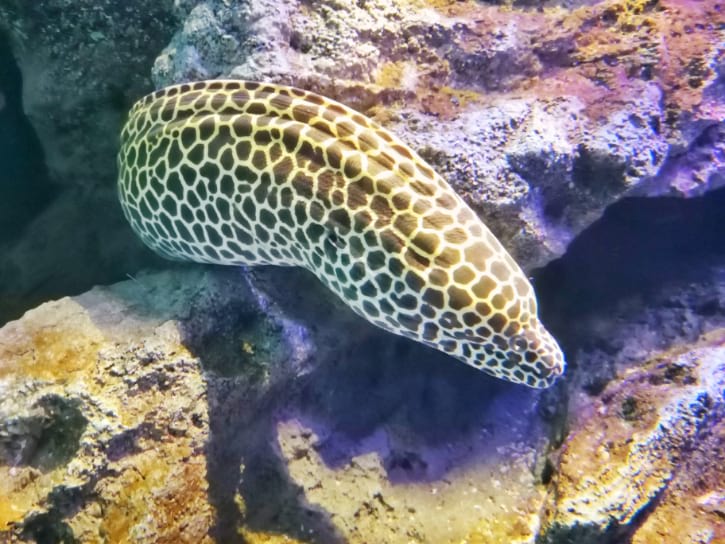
x=244 y=173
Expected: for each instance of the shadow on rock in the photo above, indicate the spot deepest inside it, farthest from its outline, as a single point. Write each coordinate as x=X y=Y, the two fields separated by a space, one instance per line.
x=249 y=357
x=647 y=274
x=281 y=349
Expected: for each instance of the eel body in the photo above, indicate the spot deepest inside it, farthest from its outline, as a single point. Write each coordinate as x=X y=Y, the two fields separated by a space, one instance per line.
x=245 y=173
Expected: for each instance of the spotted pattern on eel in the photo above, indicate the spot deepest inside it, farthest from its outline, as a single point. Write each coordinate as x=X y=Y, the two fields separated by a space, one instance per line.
x=245 y=173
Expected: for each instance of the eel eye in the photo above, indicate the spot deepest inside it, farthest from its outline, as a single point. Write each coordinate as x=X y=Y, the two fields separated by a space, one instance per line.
x=518 y=343
x=334 y=238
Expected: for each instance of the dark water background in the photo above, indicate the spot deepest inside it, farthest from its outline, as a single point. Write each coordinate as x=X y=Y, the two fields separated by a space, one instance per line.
x=24 y=185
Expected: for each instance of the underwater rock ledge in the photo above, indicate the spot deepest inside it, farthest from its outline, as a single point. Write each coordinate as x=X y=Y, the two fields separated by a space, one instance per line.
x=186 y=406
x=644 y=460
x=540 y=119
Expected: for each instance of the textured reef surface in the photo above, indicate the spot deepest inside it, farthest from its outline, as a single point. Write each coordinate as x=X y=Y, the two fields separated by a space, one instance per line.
x=198 y=404
x=188 y=406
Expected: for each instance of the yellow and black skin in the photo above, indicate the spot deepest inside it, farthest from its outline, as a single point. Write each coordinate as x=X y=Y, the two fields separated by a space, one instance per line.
x=245 y=173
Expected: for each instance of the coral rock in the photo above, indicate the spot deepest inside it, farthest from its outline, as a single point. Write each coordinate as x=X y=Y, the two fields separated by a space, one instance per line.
x=640 y=458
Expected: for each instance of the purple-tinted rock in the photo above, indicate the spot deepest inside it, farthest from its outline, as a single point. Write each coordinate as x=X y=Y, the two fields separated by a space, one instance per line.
x=625 y=448
x=539 y=129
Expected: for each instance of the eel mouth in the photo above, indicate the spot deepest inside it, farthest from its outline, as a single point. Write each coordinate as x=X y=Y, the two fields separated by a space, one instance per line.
x=551 y=368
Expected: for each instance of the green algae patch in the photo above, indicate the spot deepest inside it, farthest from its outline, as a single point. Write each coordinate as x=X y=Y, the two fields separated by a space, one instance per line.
x=243 y=344
x=45 y=439
x=61 y=435
x=47 y=527
x=579 y=533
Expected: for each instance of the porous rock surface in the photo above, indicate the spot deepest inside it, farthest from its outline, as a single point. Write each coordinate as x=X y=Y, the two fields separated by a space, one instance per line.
x=105 y=410
x=540 y=119
x=83 y=64
x=175 y=407
x=188 y=406
x=650 y=447
x=103 y=422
